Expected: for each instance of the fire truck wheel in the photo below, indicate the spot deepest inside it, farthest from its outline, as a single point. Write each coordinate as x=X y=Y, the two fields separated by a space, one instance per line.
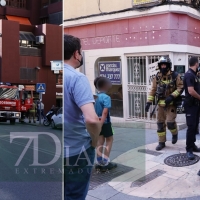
x=12 y=121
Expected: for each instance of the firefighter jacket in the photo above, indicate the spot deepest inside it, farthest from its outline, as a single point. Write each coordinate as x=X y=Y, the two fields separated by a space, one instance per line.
x=172 y=83
x=33 y=107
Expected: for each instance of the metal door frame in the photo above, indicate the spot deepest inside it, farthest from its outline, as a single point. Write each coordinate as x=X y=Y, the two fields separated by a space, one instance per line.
x=125 y=83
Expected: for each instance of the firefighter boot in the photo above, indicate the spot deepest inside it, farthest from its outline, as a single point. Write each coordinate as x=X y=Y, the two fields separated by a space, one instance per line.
x=160 y=146
x=174 y=139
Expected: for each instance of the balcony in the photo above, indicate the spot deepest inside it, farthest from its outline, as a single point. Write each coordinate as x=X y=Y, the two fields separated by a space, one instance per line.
x=16 y=3
x=30 y=51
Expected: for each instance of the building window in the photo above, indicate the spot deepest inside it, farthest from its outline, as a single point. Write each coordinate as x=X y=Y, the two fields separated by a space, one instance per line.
x=45 y=3
x=44 y=20
x=27 y=74
x=16 y=3
x=54 y=1
x=115 y=93
x=55 y=18
x=59 y=78
x=27 y=39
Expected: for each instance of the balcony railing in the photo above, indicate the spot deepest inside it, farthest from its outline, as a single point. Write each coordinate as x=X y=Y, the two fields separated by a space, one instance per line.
x=16 y=3
x=30 y=51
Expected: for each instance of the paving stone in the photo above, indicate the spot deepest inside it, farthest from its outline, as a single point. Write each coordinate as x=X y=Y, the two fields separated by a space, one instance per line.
x=171 y=182
x=104 y=192
x=100 y=178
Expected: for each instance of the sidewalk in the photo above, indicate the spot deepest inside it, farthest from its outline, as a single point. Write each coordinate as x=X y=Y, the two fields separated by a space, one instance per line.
x=143 y=175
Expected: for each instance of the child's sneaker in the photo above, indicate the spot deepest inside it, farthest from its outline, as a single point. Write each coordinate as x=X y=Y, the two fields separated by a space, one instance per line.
x=109 y=166
x=98 y=165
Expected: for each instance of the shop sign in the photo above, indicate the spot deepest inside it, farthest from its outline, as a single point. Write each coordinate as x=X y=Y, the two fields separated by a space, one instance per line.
x=111 y=70
x=59 y=94
x=56 y=71
x=29 y=87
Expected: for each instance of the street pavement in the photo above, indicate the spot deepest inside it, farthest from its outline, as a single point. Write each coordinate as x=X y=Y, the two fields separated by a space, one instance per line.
x=24 y=173
x=147 y=176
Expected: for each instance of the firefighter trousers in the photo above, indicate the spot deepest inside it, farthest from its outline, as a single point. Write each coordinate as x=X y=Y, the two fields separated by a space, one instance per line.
x=166 y=118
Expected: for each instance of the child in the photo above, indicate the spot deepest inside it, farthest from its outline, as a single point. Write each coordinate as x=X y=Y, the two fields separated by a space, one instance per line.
x=102 y=106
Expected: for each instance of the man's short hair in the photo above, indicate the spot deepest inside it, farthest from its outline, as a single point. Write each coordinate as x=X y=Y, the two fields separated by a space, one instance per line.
x=71 y=45
x=193 y=60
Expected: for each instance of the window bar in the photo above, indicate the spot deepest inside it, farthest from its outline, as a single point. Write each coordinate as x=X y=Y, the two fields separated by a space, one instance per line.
x=131 y=74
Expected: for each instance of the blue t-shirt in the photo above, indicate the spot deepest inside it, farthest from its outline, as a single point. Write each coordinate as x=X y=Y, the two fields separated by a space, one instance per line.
x=103 y=101
x=77 y=92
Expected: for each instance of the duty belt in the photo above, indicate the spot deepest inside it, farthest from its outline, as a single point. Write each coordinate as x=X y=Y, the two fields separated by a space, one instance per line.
x=196 y=102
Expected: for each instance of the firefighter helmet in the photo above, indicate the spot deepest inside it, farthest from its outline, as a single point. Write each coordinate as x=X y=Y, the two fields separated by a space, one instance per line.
x=165 y=60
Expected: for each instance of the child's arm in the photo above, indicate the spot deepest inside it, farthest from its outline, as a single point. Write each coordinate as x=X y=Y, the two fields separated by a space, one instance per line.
x=104 y=115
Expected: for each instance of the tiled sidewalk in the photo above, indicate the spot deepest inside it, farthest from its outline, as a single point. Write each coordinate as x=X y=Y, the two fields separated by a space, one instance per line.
x=159 y=181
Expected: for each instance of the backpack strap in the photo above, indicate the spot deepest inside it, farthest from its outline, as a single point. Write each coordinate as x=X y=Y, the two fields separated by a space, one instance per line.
x=158 y=79
x=174 y=75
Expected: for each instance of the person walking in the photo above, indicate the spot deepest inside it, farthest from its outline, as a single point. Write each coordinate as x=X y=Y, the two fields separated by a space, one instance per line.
x=192 y=106
x=81 y=124
x=166 y=86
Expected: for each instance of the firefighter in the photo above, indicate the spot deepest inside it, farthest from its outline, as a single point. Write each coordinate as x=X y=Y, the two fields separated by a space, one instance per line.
x=32 y=113
x=166 y=86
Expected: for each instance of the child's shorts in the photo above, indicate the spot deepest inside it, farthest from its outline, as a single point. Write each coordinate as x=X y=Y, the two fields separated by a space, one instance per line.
x=107 y=130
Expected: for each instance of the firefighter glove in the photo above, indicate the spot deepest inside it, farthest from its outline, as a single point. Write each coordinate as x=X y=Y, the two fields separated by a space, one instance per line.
x=147 y=106
x=169 y=99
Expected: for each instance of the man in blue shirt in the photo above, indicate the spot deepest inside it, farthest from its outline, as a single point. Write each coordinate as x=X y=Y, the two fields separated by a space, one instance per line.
x=81 y=124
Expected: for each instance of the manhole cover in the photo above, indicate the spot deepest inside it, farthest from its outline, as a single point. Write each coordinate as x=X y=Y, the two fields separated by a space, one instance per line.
x=102 y=178
x=180 y=160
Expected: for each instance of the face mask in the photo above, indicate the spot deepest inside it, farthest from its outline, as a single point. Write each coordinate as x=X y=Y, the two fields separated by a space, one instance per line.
x=80 y=61
x=164 y=70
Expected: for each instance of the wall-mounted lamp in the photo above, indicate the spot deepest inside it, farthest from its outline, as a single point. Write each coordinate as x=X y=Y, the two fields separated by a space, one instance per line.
x=38 y=68
x=3 y=3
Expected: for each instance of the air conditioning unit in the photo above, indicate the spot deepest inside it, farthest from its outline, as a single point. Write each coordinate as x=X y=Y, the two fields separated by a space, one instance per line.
x=40 y=39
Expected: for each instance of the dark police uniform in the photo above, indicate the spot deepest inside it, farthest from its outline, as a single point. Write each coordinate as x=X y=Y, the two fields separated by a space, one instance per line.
x=192 y=108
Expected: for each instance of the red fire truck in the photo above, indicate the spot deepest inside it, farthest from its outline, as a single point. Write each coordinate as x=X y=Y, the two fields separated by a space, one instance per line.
x=14 y=104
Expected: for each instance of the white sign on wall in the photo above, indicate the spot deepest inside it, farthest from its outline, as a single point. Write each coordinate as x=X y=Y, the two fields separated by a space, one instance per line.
x=21 y=87
x=56 y=65
x=56 y=71
x=152 y=71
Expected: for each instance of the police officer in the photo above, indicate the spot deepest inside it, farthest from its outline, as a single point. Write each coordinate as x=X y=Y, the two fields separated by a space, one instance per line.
x=166 y=86
x=192 y=106
x=198 y=76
